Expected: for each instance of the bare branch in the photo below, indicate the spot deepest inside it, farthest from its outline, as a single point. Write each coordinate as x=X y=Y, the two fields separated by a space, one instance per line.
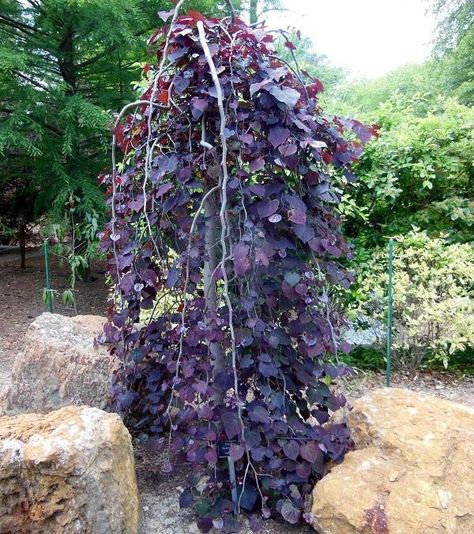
x=92 y=60
x=270 y=9
x=26 y=28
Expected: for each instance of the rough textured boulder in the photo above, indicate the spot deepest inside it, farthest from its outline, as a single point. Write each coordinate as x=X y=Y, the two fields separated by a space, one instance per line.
x=69 y=471
x=60 y=366
x=412 y=471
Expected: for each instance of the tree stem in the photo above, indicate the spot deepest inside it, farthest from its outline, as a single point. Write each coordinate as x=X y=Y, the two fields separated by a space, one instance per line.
x=210 y=290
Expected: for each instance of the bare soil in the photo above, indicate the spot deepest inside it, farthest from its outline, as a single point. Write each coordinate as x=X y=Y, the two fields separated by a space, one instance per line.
x=21 y=301
x=454 y=387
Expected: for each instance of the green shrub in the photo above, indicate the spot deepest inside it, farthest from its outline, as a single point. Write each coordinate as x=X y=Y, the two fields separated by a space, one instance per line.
x=371 y=358
x=433 y=298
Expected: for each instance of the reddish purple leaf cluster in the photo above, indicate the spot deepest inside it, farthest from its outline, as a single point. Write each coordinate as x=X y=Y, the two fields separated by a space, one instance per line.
x=283 y=244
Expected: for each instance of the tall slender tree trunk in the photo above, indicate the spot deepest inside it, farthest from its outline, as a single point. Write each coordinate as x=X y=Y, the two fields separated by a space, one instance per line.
x=210 y=288
x=22 y=243
x=66 y=64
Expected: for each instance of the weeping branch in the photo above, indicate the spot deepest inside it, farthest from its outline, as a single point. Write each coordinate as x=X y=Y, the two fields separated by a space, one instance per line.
x=224 y=178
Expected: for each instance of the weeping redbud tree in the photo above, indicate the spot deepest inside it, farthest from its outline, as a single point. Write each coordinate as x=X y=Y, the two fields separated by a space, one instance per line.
x=224 y=245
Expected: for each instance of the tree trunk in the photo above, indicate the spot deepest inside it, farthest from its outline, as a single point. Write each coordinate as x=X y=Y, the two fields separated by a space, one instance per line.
x=66 y=63
x=210 y=289
x=253 y=11
x=22 y=242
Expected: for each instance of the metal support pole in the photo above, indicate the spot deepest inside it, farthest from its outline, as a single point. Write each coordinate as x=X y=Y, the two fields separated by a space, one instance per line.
x=389 y=313
x=49 y=296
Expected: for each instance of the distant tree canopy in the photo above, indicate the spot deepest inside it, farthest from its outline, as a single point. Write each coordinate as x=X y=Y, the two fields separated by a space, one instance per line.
x=298 y=51
x=416 y=182
x=460 y=69
x=454 y=45
x=455 y=21
x=420 y=169
x=427 y=81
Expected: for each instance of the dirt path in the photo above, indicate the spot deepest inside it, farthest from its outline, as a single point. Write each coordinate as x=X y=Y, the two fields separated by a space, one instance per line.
x=12 y=254
x=21 y=300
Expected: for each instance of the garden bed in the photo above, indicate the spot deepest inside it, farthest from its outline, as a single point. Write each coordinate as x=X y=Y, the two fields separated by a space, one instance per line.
x=22 y=302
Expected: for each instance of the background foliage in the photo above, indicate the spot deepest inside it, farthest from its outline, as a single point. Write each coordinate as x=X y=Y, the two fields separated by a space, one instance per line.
x=63 y=74
x=65 y=67
x=418 y=174
x=433 y=301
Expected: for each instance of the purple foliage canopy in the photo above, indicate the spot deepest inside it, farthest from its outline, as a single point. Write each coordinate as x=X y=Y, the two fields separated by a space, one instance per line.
x=284 y=249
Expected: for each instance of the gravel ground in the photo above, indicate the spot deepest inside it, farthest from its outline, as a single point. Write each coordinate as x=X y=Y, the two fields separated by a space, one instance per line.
x=457 y=388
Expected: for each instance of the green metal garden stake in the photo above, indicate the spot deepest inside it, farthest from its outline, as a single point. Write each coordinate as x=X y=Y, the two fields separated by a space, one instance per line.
x=389 y=313
x=49 y=296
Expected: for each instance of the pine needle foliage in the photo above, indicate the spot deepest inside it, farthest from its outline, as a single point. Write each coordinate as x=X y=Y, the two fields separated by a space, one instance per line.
x=65 y=67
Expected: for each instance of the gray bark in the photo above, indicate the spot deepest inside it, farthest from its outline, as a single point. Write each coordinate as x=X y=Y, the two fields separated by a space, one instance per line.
x=210 y=288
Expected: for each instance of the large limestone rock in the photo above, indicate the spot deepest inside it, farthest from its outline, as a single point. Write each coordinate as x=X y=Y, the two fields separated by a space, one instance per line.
x=412 y=472
x=60 y=365
x=70 y=471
